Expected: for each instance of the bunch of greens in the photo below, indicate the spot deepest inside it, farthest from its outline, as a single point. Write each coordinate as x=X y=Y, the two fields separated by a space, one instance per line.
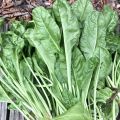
x=62 y=65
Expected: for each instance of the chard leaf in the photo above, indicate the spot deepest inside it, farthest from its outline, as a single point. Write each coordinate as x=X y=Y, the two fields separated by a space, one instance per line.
x=77 y=112
x=45 y=37
x=87 y=74
x=82 y=8
x=69 y=25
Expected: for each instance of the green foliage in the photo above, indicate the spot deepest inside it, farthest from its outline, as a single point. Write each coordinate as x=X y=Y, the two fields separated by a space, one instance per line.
x=53 y=68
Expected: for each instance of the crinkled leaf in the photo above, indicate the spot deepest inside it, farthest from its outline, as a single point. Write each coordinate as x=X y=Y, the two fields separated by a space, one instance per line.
x=77 y=112
x=56 y=10
x=82 y=8
x=82 y=72
x=44 y=48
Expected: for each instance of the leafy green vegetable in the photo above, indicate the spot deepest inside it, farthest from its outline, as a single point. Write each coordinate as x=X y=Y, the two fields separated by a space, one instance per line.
x=44 y=37
x=62 y=64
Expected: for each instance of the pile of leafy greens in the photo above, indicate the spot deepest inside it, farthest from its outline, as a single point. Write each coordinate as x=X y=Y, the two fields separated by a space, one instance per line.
x=62 y=65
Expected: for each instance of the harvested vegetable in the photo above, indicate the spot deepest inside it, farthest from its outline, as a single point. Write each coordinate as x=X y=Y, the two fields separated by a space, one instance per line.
x=63 y=64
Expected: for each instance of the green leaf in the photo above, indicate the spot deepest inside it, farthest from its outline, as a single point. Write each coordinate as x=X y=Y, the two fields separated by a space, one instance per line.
x=82 y=72
x=113 y=42
x=17 y=27
x=106 y=62
x=93 y=34
x=103 y=95
x=86 y=76
x=69 y=25
x=46 y=26
x=45 y=37
x=60 y=68
x=110 y=18
x=82 y=8
x=25 y=71
x=78 y=64
x=39 y=64
x=93 y=41
x=77 y=112
x=11 y=46
x=68 y=99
